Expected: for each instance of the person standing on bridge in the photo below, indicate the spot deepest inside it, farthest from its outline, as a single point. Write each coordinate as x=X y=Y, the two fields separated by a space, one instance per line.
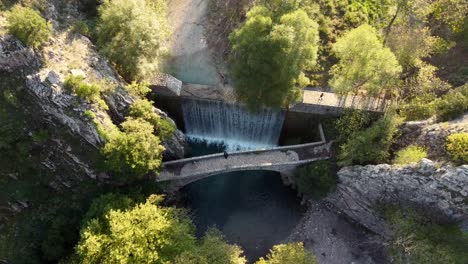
x=226 y=155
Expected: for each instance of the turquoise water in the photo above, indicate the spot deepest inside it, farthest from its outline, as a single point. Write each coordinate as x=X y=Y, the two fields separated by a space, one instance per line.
x=253 y=208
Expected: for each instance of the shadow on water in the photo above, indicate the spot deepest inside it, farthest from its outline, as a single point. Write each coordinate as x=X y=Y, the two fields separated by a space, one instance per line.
x=252 y=208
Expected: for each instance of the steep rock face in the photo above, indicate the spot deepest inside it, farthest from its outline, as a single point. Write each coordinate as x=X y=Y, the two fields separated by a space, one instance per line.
x=68 y=158
x=430 y=135
x=443 y=191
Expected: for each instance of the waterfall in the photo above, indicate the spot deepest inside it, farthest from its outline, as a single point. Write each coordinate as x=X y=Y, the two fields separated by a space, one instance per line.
x=231 y=125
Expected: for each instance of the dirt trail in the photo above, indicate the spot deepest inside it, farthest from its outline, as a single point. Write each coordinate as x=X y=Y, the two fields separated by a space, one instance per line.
x=191 y=60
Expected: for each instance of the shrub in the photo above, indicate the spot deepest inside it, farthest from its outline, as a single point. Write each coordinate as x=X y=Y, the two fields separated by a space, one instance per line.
x=90 y=92
x=139 y=89
x=457 y=147
x=351 y=122
x=452 y=105
x=418 y=109
x=28 y=26
x=420 y=240
x=316 y=179
x=371 y=145
x=292 y=253
x=84 y=28
x=134 y=152
x=410 y=154
x=131 y=33
x=144 y=109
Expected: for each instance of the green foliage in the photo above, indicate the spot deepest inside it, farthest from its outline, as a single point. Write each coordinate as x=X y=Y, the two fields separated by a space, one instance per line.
x=135 y=151
x=90 y=92
x=28 y=26
x=292 y=253
x=350 y=122
x=364 y=63
x=453 y=104
x=418 y=109
x=419 y=240
x=457 y=147
x=410 y=154
x=371 y=145
x=139 y=89
x=146 y=233
x=213 y=249
x=316 y=180
x=84 y=27
x=144 y=109
x=410 y=44
x=270 y=53
x=103 y=204
x=131 y=33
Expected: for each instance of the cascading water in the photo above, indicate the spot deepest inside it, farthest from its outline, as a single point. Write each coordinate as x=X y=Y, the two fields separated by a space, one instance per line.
x=231 y=125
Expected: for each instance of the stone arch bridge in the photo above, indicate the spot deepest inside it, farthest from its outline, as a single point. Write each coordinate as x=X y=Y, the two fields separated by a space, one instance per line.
x=281 y=159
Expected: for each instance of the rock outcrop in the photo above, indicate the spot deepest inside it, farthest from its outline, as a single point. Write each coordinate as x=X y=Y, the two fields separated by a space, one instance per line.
x=430 y=135
x=443 y=192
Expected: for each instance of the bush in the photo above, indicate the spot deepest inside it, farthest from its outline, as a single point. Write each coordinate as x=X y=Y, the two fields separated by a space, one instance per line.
x=144 y=109
x=316 y=179
x=418 y=109
x=28 y=26
x=410 y=154
x=131 y=33
x=371 y=145
x=454 y=104
x=420 y=240
x=139 y=89
x=457 y=147
x=134 y=152
x=90 y=92
x=292 y=253
x=351 y=122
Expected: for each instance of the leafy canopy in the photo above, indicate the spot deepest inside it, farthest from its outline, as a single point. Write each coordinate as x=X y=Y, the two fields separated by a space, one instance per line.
x=371 y=145
x=146 y=233
x=213 y=249
x=292 y=253
x=28 y=26
x=270 y=54
x=364 y=63
x=131 y=34
x=133 y=152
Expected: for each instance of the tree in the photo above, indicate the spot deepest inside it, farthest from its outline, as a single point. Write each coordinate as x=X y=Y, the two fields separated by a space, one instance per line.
x=131 y=34
x=364 y=63
x=315 y=180
x=269 y=55
x=372 y=144
x=28 y=26
x=134 y=152
x=292 y=253
x=146 y=233
x=213 y=250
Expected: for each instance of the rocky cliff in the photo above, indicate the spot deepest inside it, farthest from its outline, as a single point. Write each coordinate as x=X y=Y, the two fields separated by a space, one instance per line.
x=37 y=78
x=443 y=191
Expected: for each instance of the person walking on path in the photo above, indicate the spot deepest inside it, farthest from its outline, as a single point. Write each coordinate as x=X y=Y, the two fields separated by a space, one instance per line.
x=226 y=155
x=321 y=97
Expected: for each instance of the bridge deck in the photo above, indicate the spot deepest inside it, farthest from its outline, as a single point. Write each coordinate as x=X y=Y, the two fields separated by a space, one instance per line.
x=267 y=159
